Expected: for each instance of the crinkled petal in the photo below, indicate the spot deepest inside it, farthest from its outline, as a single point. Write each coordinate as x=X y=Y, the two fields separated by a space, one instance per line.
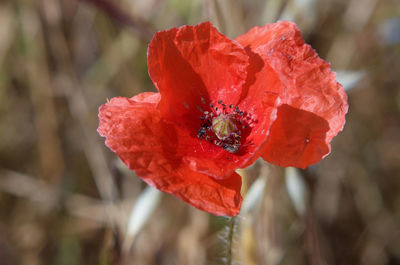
x=193 y=66
x=138 y=134
x=264 y=109
x=180 y=86
x=298 y=138
x=220 y=62
x=307 y=84
x=219 y=197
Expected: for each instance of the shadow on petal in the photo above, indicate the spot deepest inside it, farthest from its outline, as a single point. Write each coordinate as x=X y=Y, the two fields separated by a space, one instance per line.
x=297 y=138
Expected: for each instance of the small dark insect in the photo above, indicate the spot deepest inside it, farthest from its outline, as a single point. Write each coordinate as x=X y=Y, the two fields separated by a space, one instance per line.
x=219 y=101
x=231 y=106
x=231 y=148
x=202 y=131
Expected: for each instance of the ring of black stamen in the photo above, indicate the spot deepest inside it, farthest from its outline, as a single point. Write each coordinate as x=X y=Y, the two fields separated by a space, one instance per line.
x=232 y=143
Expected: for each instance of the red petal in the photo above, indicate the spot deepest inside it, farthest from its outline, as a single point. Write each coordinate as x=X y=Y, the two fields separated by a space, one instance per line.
x=298 y=138
x=220 y=63
x=146 y=144
x=308 y=85
x=193 y=66
x=219 y=197
x=181 y=88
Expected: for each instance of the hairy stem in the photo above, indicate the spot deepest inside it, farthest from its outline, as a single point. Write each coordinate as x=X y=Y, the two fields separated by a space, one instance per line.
x=229 y=240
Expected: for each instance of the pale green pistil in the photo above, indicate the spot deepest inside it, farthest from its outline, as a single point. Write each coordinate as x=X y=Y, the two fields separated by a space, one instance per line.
x=223 y=126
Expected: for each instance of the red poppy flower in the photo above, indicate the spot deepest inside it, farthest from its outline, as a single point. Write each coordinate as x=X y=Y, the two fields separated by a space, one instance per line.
x=221 y=105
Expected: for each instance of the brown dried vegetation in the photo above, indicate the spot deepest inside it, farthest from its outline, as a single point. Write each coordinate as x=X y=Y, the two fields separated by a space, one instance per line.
x=66 y=199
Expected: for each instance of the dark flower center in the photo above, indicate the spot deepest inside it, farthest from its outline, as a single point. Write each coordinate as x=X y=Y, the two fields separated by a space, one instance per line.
x=223 y=126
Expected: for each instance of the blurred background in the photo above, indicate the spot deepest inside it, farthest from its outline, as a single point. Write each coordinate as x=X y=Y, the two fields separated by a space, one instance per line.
x=66 y=199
